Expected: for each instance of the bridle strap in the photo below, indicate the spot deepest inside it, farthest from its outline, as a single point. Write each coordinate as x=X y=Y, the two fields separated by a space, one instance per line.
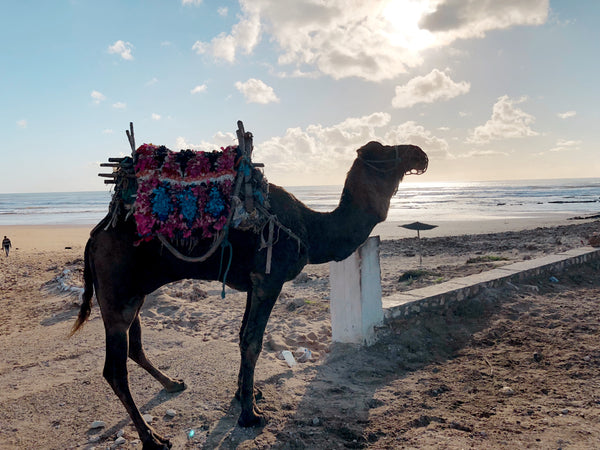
x=371 y=162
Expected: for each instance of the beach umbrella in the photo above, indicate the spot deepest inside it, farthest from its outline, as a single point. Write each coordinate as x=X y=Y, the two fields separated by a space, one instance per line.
x=419 y=226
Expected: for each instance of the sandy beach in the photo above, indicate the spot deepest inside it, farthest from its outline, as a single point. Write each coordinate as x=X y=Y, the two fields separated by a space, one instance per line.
x=521 y=371
x=57 y=237
x=46 y=237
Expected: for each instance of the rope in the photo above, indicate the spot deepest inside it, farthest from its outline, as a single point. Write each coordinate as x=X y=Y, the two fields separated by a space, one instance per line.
x=191 y=259
x=275 y=221
x=269 y=246
x=238 y=184
x=224 y=245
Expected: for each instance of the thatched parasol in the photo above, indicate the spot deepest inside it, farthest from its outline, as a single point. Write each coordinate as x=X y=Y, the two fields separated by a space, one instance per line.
x=419 y=226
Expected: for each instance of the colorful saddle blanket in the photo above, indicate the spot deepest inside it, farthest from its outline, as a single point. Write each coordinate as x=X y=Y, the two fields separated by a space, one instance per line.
x=185 y=194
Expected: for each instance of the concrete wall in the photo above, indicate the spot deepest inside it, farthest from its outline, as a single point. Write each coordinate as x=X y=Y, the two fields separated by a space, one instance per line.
x=357 y=307
x=442 y=295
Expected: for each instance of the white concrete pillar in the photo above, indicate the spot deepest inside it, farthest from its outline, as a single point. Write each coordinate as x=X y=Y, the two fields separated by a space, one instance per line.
x=356 y=295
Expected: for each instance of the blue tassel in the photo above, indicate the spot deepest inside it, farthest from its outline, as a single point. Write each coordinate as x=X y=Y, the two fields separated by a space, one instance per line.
x=161 y=203
x=215 y=205
x=188 y=204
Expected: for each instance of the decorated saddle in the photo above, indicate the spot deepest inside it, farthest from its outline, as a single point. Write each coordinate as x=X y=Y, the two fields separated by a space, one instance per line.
x=187 y=196
x=183 y=194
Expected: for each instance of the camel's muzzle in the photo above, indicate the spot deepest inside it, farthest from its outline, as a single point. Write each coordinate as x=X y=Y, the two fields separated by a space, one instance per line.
x=421 y=164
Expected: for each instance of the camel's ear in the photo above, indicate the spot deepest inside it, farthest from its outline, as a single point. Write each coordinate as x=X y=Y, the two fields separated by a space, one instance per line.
x=369 y=150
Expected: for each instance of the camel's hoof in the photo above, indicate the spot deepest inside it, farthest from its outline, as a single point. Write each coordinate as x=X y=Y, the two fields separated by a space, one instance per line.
x=156 y=446
x=157 y=443
x=175 y=386
x=254 y=419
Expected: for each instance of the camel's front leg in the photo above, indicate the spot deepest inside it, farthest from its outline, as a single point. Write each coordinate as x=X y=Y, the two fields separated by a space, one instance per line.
x=258 y=309
x=257 y=392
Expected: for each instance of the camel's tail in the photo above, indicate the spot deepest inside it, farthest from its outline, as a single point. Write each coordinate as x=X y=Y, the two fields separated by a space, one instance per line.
x=88 y=291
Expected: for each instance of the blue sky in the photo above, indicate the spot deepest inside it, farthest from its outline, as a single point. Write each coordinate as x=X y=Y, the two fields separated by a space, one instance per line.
x=490 y=90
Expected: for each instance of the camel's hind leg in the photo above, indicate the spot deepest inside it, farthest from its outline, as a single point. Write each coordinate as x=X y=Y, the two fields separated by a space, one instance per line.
x=117 y=324
x=136 y=353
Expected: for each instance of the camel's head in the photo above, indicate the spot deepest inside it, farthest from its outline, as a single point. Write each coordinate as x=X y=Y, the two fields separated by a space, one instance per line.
x=376 y=173
x=398 y=159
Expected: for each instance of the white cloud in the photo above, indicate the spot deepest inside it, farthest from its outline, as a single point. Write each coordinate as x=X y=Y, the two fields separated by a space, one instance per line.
x=119 y=105
x=224 y=139
x=224 y=46
x=22 y=123
x=256 y=91
x=121 y=48
x=374 y=40
x=567 y=114
x=427 y=89
x=219 y=140
x=152 y=81
x=191 y=2
x=156 y=116
x=563 y=145
x=341 y=38
x=107 y=131
x=318 y=154
x=412 y=133
x=462 y=19
x=480 y=154
x=181 y=143
x=297 y=73
x=223 y=11
x=98 y=96
x=200 y=47
x=244 y=35
x=199 y=89
x=321 y=154
x=507 y=121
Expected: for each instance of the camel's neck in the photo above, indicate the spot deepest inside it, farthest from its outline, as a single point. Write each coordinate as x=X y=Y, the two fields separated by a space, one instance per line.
x=336 y=235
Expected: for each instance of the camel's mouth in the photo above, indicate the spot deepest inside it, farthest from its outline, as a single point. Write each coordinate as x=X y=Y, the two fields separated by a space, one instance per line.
x=420 y=165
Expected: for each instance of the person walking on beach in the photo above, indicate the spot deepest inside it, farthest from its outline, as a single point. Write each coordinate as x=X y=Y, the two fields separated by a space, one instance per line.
x=6 y=245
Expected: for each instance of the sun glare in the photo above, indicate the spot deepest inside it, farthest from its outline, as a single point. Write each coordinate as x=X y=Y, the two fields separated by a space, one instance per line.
x=403 y=18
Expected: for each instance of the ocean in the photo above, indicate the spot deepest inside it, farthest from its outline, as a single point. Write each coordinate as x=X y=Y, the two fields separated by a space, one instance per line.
x=425 y=202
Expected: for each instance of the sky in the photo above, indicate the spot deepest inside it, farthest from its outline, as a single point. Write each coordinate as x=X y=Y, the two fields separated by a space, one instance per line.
x=491 y=90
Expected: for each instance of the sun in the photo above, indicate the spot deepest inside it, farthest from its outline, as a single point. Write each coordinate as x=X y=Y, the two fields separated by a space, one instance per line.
x=402 y=18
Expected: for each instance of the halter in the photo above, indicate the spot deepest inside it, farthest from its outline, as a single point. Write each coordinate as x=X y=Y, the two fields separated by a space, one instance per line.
x=397 y=160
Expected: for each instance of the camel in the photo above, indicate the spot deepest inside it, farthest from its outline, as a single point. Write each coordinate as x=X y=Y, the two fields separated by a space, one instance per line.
x=122 y=274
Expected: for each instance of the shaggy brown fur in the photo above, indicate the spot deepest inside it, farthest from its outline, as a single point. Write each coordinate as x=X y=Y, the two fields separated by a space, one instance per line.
x=122 y=274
